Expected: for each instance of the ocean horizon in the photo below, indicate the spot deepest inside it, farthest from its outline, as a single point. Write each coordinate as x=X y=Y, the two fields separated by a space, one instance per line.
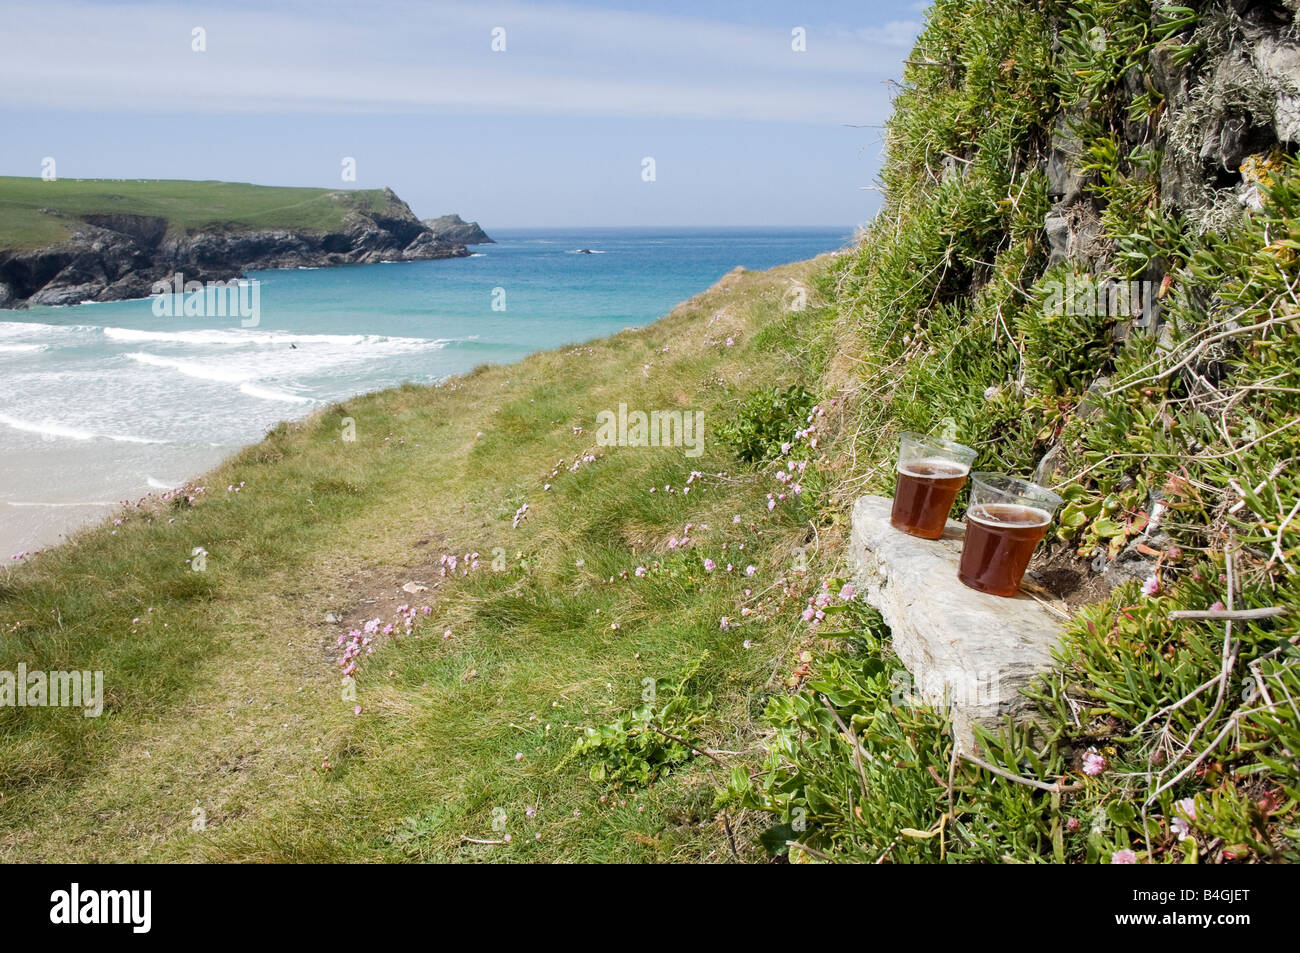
x=107 y=402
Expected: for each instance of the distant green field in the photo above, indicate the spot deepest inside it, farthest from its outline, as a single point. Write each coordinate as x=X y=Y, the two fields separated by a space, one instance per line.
x=34 y=212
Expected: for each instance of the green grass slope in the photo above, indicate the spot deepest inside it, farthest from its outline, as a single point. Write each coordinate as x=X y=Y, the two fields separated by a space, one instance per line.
x=228 y=733
x=35 y=213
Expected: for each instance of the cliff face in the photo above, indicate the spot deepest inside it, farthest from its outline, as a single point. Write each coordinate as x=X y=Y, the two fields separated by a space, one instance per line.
x=110 y=257
x=1086 y=269
x=455 y=229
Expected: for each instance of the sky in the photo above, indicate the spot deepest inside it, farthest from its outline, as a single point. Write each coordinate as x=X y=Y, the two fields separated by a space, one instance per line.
x=553 y=128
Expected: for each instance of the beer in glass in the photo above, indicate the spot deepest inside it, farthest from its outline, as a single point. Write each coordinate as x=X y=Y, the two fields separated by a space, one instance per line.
x=930 y=472
x=1004 y=522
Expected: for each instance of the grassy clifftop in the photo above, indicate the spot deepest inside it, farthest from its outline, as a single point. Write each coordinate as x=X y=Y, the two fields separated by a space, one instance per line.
x=35 y=213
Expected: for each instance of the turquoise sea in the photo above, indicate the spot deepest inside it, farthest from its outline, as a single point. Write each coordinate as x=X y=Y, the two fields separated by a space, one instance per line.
x=106 y=402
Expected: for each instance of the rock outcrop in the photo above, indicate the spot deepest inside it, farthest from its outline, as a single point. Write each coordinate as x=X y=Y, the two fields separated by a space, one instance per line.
x=453 y=228
x=114 y=257
x=965 y=649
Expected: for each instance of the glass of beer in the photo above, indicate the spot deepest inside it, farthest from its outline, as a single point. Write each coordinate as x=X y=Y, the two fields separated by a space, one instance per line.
x=1004 y=522
x=930 y=472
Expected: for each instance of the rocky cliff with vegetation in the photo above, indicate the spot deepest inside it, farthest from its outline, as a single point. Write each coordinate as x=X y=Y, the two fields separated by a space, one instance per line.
x=66 y=242
x=1086 y=267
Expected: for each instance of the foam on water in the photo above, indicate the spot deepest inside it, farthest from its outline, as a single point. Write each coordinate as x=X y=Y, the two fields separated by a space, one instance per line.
x=239 y=337
x=50 y=428
x=206 y=372
x=269 y=393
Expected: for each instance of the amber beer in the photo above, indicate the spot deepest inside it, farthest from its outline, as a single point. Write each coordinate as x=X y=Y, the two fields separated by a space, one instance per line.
x=1004 y=523
x=930 y=472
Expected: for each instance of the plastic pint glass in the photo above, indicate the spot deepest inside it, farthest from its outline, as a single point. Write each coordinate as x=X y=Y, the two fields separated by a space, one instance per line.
x=930 y=472
x=1004 y=522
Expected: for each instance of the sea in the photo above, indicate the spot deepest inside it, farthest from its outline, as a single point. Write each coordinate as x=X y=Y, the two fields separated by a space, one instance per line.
x=106 y=402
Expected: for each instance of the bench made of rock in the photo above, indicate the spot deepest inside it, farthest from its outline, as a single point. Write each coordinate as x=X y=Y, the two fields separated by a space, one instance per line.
x=974 y=650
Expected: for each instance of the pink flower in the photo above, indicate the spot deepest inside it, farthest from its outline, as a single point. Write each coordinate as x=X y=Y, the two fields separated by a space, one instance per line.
x=519 y=756
x=1181 y=824
x=1151 y=586
x=848 y=591
x=1218 y=607
x=1093 y=763
x=1124 y=856
x=725 y=624
x=640 y=571
x=809 y=614
x=709 y=565
x=357 y=710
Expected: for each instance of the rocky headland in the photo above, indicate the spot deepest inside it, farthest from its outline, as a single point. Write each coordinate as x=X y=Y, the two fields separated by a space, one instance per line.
x=453 y=228
x=115 y=256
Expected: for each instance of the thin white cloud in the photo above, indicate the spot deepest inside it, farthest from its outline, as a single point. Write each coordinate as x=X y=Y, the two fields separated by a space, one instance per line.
x=405 y=57
x=895 y=33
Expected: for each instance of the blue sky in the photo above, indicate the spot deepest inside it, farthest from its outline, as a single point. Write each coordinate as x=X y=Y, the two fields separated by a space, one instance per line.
x=551 y=131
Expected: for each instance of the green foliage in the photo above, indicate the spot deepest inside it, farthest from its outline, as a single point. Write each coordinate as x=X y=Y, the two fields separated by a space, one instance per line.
x=766 y=420
x=629 y=750
x=1066 y=333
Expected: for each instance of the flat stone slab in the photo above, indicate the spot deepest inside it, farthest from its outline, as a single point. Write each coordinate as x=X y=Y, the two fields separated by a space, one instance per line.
x=969 y=649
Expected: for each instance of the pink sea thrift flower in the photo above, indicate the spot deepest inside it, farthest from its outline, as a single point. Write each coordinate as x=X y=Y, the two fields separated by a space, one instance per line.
x=848 y=591
x=1182 y=824
x=1093 y=763
x=709 y=565
x=1151 y=586
x=1124 y=856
